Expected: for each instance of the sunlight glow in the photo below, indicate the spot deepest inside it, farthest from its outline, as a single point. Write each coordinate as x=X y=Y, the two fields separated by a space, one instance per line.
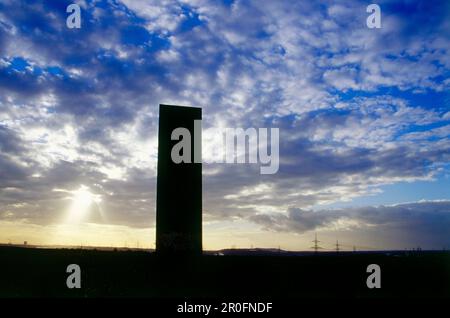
x=82 y=201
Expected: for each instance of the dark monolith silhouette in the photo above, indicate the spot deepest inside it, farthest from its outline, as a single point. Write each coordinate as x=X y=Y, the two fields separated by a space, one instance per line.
x=179 y=187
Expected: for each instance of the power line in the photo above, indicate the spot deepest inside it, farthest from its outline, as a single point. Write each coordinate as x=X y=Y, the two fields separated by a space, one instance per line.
x=338 y=246
x=360 y=247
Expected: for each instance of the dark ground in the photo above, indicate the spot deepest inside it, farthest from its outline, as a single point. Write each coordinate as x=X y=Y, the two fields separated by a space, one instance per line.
x=30 y=272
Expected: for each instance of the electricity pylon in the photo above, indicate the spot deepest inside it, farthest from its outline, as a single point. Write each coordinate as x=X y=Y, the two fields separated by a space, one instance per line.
x=316 y=246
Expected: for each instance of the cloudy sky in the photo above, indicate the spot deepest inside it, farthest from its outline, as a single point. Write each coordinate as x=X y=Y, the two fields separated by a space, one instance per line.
x=364 y=119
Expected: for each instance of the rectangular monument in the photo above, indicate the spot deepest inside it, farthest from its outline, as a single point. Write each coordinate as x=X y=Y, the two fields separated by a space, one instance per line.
x=179 y=186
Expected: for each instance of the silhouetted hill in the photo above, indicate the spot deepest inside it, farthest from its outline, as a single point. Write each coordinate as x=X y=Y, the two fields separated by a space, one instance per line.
x=29 y=272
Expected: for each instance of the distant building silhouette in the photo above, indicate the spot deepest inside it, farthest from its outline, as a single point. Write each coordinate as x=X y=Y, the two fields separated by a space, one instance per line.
x=179 y=187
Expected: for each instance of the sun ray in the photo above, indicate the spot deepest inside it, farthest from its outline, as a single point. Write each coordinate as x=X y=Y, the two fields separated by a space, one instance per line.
x=82 y=201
